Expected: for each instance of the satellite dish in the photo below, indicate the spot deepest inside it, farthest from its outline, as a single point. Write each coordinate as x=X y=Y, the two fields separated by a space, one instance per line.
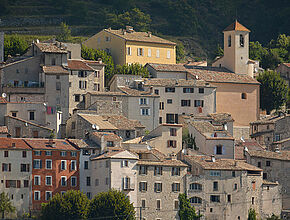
x=149 y=148
x=226 y=127
x=4 y=95
x=242 y=139
x=95 y=127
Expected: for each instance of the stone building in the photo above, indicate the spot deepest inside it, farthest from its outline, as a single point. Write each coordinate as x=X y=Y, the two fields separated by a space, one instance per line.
x=276 y=166
x=127 y=46
x=273 y=131
x=222 y=189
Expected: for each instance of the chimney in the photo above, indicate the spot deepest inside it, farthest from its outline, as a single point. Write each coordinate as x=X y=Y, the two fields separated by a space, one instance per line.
x=212 y=157
x=100 y=60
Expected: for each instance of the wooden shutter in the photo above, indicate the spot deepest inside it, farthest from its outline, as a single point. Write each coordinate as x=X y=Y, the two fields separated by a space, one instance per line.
x=160 y=187
x=9 y=169
x=223 y=150
x=7 y=184
x=18 y=184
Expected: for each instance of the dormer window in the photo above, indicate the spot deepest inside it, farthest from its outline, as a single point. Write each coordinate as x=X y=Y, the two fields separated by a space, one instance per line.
x=230 y=41
x=242 y=40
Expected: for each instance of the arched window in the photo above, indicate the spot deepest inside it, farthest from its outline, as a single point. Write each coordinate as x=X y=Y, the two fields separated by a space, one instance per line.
x=195 y=200
x=229 y=41
x=195 y=186
x=242 y=40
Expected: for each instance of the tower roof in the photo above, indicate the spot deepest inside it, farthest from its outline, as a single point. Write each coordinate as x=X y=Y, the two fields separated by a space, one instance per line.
x=236 y=26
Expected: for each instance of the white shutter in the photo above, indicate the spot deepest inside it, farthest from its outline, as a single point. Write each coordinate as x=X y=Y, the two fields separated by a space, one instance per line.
x=148 y=111
x=215 y=149
x=157 y=53
x=141 y=111
x=224 y=150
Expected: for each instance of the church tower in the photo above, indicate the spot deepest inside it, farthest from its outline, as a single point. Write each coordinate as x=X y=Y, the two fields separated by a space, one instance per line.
x=236 y=49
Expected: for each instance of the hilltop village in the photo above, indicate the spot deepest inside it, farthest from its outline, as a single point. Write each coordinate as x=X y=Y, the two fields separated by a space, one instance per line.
x=187 y=128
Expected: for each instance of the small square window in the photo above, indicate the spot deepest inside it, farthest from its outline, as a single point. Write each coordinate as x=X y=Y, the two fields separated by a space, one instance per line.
x=268 y=163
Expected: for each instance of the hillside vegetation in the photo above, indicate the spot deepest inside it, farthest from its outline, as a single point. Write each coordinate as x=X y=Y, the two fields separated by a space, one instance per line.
x=198 y=24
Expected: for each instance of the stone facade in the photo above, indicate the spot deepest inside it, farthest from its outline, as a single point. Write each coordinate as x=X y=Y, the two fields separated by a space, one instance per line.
x=284 y=70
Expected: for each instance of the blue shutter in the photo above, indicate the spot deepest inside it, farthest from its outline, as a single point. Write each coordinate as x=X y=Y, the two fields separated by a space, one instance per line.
x=224 y=150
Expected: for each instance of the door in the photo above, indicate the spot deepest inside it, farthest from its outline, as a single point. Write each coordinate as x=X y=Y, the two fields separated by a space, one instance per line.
x=17 y=132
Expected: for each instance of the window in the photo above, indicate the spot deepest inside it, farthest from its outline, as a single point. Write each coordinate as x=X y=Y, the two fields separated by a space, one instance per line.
x=161 y=105
x=126 y=183
x=235 y=186
x=200 y=90
x=195 y=200
x=14 y=114
x=37 y=164
x=48 y=180
x=143 y=203
x=24 y=167
x=265 y=176
x=145 y=111
x=37 y=153
x=233 y=174
x=214 y=198
x=6 y=167
x=5 y=153
x=244 y=96
x=86 y=165
x=172 y=118
x=171 y=143
x=242 y=40
x=157 y=53
x=170 y=89
x=36 y=195
x=259 y=164
x=175 y=171
x=24 y=154
x=97 y=74
x=37 y=181
x=77 y=98
x=268 y=163
x=129 y=51
x=110 y=144
x=96 y=182
x=107 y=181
x=229 y=41
x=48 y=153
x=63 y=165
x=143 y=170
x=157 y=170
x=63 y=153
x=53 y=61
x=63 y=181
x=188 y=90
x=277 y=137
x=107 y=38
x=215 y=173
x=82 y=84
x=73 y=181
x=168 y=54
x=96 y=86
x=215 y=186
x=229 y=198
x=219 y=150
x=88 y=181
x=185 y=103
x=253 y=200
x=73 y=165
x=143 y=101
x=175 y=187
x=158 y=204
x=176 y=204
x=140 y=52
x=58 y=86
x=198 y=103
x=143 y=186
x=160 y=120
x=156 y=91
x=195 y=186
x=125 y=163
x=157 y=187
x=73 y=154
x=48 y=164
x=26 y=183
x=169 y=101
x=48 y=195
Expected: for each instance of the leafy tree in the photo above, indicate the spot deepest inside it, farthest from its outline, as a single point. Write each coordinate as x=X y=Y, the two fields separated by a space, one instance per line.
x=188 y=140
x=113 y=204
x=133 y=69
x=271 y=59
x=72 y=205
x=219 y=52
x=5 y=205
x=252 y=214
x=180 y=52
x=256 y=51
x=65 y=33
x=186 y=211
x=14 y=45
x=92 y=54
x=273 y=91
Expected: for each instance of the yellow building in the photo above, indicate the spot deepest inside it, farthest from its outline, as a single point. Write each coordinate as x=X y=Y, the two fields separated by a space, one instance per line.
x=128 y=46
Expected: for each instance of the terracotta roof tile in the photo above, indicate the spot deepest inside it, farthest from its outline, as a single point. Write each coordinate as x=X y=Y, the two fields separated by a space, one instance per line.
x=139 y=36
x=123 y=123
x=236 y=26
x=3 y=130
x=78 y=65
x=167 y=67
x=53 y=70
x=50 y=48
x=13 y=143
x=108 y=136
x=99 y=121
x=135 y=92
x=270 y=119
x=287 y=64
x=3 y=100
x=282 y=155
x=113 y=154
x=221 y=117
x=51 y=144
x=28 y=122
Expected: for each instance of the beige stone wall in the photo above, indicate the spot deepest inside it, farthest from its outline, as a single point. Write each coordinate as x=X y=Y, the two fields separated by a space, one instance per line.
x=167 y=197
x=271 y=200
x=284 y=73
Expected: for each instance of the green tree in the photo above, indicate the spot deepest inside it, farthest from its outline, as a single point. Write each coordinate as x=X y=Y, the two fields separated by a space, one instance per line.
x=271 y=59
x=113 y=204
x=92 y=54
x=219 y=52
x=256 y=51
x=186 y=211
x=72 y=205
x=5 y=205
x=180 y=53
x=65 y=33
x=252 y=214
x=14 y=45
x=133 y=69
x=273 y=91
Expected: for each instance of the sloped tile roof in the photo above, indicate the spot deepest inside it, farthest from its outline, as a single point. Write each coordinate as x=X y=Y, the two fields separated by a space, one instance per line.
x=139 y=36
x=167 y=67
x=50 y=48
x=176 y=82
x=282 y=155
x=135 y=92
x=99 y=121
x=3 y=130
x=221 y=117
x=108 y=136
x=287 y=64
x=236 y=26
x=220 y=75
x=28 y=122
x=44 y=144
x=6 y=143
x=3 y=100
x=54 y=70
x=270 y=119
x=78 y=65
x=123 y=123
